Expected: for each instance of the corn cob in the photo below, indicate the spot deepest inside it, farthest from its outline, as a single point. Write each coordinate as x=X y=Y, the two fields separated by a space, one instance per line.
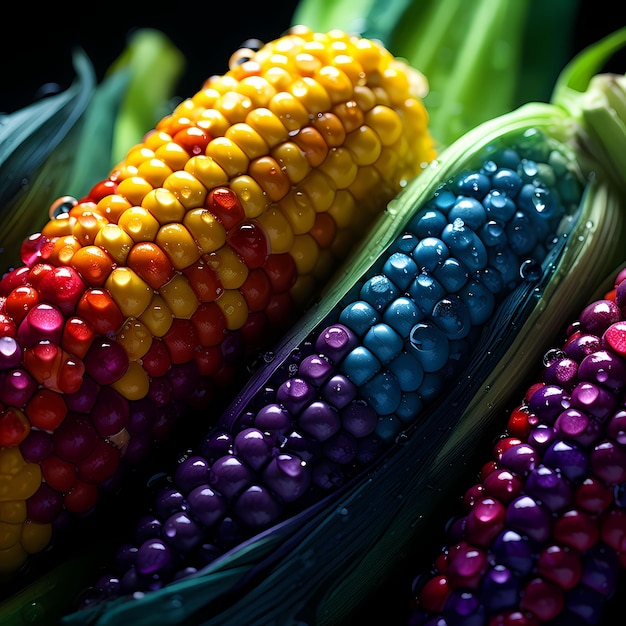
x=540 y=536
x=338 y=398
x=150 y=293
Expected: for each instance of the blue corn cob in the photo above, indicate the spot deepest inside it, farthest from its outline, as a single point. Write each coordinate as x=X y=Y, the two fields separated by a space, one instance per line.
x=383 y=354
x=540 y=539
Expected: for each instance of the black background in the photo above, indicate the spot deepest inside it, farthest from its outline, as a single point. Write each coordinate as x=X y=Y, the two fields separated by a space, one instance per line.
x=36 y=41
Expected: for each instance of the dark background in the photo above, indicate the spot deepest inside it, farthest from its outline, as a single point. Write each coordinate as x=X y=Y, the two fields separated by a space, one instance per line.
x=36 y=40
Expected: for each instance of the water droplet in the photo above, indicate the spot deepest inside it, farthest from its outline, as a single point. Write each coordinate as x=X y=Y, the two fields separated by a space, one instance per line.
x=552 y=355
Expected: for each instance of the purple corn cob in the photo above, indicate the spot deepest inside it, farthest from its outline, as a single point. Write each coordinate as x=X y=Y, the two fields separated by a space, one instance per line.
x=542 y=538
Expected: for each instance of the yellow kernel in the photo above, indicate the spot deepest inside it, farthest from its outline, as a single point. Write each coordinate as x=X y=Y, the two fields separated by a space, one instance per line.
x=307 y=64
x=343 y=209
x=279 y=77
x=252 y=197
x=87 y=226
x=213 y=122
x=207 y=232
x=364 y=145
x=292 y=161
x=12 y=558
x=154 y=139
x=385 y=122
x=205 y=98
x=134 y=384
x=13 y=511
x=207 y=171
x=340 y=167
x=234 y=106
x=234 y=307
x=64 y=249
x=258 y=89
x=248 y=139
x=122 y=171
x=296 y=206
x=396 y=82
x=312 y=95
x=271 y=178
x=290 y=111
x=189 y=191
x=154 y=171
x=305 y=252
x=277 y=228
x=350 y=67
x=138 y=154
x=335 y=83
x=179 y=297
x=364 y=97
x=131 y=294
x=228 y=155
x=59 y=226
x=157 y=317
x=223 y=83
x=179 y=245
x=115 y=241
x=164 y=206
x=368 y=54
x=229 y=267
x=311 y=142
x=113 y=206
x=139 y=224
x=320 y=189
x=135 y=338
x=331 y=129
x=387 y=162
x=134 y=189
x=369 y=188
x=35 y=537
x=268 y=125
x=318 y=49
x=173 y=155
x=18 y=479
x=349 y=114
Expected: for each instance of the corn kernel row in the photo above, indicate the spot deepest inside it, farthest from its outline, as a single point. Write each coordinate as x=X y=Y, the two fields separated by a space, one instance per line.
x=149 y=294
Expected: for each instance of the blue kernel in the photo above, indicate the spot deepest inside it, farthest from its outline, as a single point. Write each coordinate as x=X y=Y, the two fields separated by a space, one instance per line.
x=431 y=387
x=452 y=317
x=475 y=184
x=479 y=300
x=426 y=291
x=528 y=170
x=493 y=234
x=360 y=365
x=383 y=341
x=506 y=157
x=359 y=316
x=499 y=206
x=428 y=222
x=408 y=371
x=521 y=234
x=401 y=269
x=507 y=264
x=430 y=253
x=383 y=393
x=379 y=291
x=444 y=199
x=507 y=180
x=465 y=245
x=404 y=243
x=534 y=199
x=402 y=314
x=491 y=278
x=470 y=210
x=429 y=345
x=452 y=275
x=388 y=427
x=410 y=406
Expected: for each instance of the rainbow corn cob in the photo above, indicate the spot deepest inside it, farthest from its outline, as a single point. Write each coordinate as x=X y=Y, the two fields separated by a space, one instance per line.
x=540 y=539
x=335 y=401
x=149 y=294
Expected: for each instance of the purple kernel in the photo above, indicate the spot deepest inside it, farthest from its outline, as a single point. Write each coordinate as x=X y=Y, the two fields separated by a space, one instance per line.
x=571 y=423
x=83 y=400
x=327 y=474
x=217 y=443
x=340 y=448
x=515 y=551
x=568 y=457
x=593 y=399
x=37 y=446
x=147 y=527
x=607 y=461
x=528 y=516
x=229 y=475
x=548 y=486
x=581 y=345
x=253 y=447
x=256 y=507
x=500 y=589
x=335 y=342
x=320 y=420
x=181 y=532
x=152 y=556
x=561 y=372
x=359 y=418
x=596 y=317
x=206 y=505
x=520 y=459
x=106 y=361
x=183 y=378
x=43 y=322
x=586 y=604
x=547 y=402
x=339 y=391
x=616 y=426
x=304 y=447
x=620 y=292
x=16 y=387
x=169 y=500
x=75 y=438
x=191 y=472
x=288 y=476
x=605 y=368
x=464 y=608
x=274 y=419
x=315 y=369
x=295 y=394
x=110 y=414
x=45 y=505
x=541 y=436
x=601 y=568
x=10 y=353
